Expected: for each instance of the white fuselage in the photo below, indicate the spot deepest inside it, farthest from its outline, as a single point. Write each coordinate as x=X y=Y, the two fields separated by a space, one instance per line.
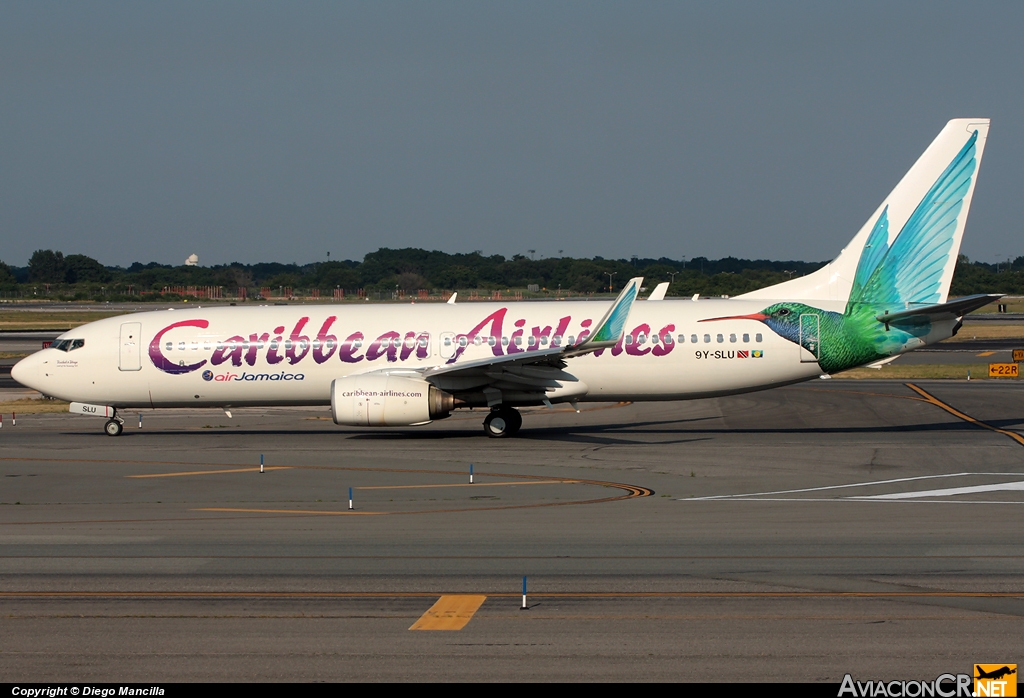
x=273 y=355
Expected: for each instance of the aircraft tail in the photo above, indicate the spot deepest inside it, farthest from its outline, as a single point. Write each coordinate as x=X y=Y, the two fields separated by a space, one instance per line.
x=907 y=250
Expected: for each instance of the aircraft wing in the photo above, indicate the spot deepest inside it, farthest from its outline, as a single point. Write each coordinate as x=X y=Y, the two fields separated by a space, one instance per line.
x=537 y=369
x=940 y=311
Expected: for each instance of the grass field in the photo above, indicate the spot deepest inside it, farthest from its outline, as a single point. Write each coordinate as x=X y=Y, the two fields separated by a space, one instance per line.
x=34 y=320
x=984 y=330
x=33 y=406
x=1014 y=304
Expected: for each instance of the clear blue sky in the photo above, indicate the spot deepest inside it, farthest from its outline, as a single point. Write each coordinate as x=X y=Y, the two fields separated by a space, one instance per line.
x=278 y=131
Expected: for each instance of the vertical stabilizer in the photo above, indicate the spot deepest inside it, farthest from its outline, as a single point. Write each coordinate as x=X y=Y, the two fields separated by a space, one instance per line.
x=912 y=240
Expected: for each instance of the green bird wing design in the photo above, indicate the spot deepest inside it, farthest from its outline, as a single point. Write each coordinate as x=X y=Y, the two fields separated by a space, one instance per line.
x=910 y=270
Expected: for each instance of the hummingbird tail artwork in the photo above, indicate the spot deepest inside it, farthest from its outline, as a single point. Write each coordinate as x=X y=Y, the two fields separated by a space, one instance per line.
x=887 y=291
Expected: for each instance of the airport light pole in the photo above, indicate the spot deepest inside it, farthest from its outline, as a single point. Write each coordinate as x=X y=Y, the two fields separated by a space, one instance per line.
x=610 y=274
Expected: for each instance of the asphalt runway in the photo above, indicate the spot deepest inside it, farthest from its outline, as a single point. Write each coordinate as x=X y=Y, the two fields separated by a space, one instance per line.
x=795 y=534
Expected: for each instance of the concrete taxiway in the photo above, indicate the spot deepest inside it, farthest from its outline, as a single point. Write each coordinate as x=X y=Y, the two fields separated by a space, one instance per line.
x=867 y=527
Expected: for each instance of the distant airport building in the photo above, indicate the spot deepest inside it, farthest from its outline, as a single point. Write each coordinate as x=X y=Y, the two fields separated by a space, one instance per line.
x=192 y=261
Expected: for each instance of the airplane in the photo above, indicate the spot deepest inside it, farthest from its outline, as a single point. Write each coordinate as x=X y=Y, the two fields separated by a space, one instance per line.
x=995 y=674
x=394 y=365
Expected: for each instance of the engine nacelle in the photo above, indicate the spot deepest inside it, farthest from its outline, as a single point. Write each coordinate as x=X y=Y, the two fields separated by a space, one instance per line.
x=377 y=400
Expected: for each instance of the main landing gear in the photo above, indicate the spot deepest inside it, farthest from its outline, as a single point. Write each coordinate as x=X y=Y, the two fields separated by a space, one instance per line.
x=114 y=426
x=503 y=422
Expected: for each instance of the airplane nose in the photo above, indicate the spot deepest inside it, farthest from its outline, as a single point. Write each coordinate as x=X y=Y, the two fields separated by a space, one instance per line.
x=26 y=372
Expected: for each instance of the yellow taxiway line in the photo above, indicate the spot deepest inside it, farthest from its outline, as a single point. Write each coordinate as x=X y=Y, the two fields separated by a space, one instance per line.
x=292 y=511
x=467 y=484
x=451 y=612
x=928 y=397
x=213 y=472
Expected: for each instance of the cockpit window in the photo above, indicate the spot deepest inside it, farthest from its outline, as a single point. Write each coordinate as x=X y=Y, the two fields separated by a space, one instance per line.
x=68 y=344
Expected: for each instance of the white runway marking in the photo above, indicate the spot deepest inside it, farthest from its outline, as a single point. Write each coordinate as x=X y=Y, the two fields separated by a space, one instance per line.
x=918 y=495
x=949 y=492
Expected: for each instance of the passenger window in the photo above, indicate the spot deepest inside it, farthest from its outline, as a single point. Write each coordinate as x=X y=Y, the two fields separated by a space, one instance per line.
x=424 y=339
x=746 y=338
x=273 y=345
x=757 y=337
x=629 y=339
x=720 y=338
x=463 y=341
x=544 y=340
x=477 y=340
x=447 y=341
x=707 y=338
x=504 y=341
x=681 y=339
x=181 y=346
x=556 y=340
x=532 y=341
x=329 y=343
x=519 y=341
x=641 y=339
x=668 y=338
x=167 y=347
x=693 y=338
x=491 y=341
x=358 y=343
x=732 y=338
x=287 y=344
x=571 y=341
x=654 y=339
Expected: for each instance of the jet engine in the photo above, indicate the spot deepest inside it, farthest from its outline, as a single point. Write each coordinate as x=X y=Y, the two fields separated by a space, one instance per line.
x=378 y=400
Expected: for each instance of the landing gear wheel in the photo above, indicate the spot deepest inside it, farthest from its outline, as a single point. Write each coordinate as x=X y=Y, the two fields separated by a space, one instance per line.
x=114 y=427
x=502 y=423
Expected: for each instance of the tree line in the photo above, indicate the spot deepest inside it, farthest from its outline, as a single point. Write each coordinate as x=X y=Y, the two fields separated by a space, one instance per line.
x=405 y=271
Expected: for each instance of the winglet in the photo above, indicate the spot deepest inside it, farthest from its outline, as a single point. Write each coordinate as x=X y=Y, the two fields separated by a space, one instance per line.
x=451 y=301
x=610 y=329
x=659 y=292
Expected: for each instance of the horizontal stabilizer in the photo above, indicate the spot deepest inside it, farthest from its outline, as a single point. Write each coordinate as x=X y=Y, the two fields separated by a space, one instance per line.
x=940 y=311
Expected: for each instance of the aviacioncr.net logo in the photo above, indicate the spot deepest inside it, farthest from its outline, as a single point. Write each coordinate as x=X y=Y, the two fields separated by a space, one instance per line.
x=944 y=686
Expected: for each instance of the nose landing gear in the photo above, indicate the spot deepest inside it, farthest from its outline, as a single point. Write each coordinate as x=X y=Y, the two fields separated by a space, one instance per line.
x=114 y=426
x=502 y=422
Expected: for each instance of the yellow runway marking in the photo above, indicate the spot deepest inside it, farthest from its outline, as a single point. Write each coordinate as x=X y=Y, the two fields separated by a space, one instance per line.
x=466 y=484
x=966 y=417
x=213 y=472
x=451 y=612
x=986 y=353
x=292 y=511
